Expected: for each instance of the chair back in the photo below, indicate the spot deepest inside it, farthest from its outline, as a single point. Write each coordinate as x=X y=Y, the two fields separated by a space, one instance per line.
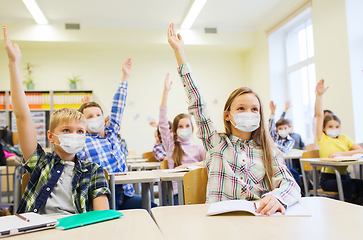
x=164 y=164
x=132 y=153
x=310 y=154
x=195 y=186
x=24 y=182
x=310 y=147
x=149 y=156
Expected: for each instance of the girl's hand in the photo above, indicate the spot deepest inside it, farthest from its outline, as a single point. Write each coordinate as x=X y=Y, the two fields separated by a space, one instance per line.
x=167 y=84
x=13 y=52
x=126 y=67
x=272 y=107
x=269 y=205
x=175 y=40
x=320 y=88
x=287 y=105
x=336 y=154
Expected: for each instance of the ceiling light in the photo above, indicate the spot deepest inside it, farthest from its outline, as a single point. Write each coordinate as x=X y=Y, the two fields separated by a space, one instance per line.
x=193 y=13
x=35 y=11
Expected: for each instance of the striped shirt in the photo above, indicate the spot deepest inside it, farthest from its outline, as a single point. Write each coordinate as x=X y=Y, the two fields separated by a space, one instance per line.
x=284 y=144
x=107 y=151
x=159 y=152
x=192 y=152
x=45 y=169
x=235 y=168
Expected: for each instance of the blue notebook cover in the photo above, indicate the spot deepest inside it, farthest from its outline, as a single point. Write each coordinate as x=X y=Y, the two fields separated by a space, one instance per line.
x=87 y=218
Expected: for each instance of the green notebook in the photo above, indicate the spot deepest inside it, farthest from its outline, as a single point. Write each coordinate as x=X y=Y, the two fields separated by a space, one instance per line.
x=83 y=219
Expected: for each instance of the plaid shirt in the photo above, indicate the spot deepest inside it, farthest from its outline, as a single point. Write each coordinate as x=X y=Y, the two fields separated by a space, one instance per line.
x=44 y=171
x=107 y=151
x=235 y=168
x=159 y=151
x=284 y=144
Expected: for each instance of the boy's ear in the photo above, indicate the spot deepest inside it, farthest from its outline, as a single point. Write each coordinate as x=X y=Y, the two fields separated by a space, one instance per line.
x=227 y=115
x=50 y=136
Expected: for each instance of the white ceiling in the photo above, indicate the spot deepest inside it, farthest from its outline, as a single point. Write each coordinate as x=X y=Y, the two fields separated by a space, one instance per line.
x=226 y=15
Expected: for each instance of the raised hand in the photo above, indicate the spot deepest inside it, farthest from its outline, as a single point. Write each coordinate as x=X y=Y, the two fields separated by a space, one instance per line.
x=167 y=83
x=12 y=51
x=320 y=88
x=126 y=68
x=175 y=40
x=272 y=107
x=287 y=105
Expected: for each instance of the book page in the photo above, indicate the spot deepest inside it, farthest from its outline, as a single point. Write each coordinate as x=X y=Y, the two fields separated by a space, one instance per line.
x=13 y=222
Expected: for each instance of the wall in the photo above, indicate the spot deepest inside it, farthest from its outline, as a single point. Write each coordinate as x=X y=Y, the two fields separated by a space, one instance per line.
x=218 y=71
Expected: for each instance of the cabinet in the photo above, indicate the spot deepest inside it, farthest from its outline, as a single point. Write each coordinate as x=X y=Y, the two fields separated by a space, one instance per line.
x=41 y=104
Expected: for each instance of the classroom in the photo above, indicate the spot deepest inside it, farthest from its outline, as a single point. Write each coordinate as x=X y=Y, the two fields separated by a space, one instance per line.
x=281 y=49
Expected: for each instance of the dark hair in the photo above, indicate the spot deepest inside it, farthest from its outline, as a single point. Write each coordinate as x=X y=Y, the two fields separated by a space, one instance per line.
x=89 y=104
x=158 y=131
x=330 y=117
x=178 y=150
x=260 y=136
x=328 y=111
x=283 y=121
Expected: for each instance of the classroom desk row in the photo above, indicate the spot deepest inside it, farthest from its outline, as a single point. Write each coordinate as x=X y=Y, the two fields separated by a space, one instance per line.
x=330 y=219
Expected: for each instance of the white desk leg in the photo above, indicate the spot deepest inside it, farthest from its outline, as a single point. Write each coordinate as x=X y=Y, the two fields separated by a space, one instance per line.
x=1 y=177
x=306 y=187
x=17 y=189
x=145 y=197
x=339 y=182
x=170 y=193
x=315 y=180
x=152 y=191
x=162 y=193
x=181 y=192
x=113 y=191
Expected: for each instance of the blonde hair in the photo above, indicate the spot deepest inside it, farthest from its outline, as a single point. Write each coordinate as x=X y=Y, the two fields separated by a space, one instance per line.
x=65 y=115
x=260 y=136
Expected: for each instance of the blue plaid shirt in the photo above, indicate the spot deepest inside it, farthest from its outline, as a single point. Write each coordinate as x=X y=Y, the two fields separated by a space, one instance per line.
x=107 y=151
x=45 y=170
x=284 y=144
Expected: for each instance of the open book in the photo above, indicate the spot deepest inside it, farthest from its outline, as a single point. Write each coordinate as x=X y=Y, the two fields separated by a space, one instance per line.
x=27 y=222
x=247 y=206
x=355 y=157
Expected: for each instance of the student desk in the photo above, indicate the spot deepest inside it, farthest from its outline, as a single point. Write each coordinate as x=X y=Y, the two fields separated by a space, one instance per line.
x=143 y=177
x=330 y=219
x=135 y=224
x=143 y=165
x=316 y=162
x=135 y=158
x=166 y=178
x=297 y=154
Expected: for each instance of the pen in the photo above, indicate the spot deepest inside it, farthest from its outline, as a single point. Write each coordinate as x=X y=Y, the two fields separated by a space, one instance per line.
x=21 y=217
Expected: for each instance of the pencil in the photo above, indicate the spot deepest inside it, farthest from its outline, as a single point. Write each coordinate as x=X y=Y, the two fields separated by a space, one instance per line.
x=21 y=217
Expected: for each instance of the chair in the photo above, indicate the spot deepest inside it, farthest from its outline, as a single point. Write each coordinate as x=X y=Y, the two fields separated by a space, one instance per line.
x=308 y=172
x=149 y=156
x=164 y=164
x=132 y=153
x=195 y=186
x=310 y=147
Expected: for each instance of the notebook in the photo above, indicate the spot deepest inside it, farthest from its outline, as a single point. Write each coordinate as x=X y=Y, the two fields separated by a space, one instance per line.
x=13 y=225
x=87 y=218
x=247 y=206
x=340 y=159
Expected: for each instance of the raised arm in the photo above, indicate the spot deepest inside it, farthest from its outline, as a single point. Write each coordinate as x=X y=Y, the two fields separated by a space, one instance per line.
x=197 y=105
x=26 y=131
x=287 y=106
x=271 y=121
x=119 y=99
x=320 y=90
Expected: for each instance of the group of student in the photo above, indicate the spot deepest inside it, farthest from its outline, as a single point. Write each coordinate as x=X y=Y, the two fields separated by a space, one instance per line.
x=243 y=162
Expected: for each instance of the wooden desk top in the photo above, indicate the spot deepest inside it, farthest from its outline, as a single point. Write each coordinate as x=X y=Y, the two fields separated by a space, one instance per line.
x=331 y=219
x=145 y=165
x=169 y=176
x=327 y=163
x=135 y=224
x=137 y=177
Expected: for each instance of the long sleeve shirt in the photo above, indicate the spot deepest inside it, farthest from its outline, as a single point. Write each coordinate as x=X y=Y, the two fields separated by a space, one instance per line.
x=235 y=167
x=284 y=144
x=107 y=151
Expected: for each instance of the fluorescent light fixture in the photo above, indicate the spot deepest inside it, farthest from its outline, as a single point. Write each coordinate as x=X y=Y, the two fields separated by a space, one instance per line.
x=35 y=11
x=193 y=13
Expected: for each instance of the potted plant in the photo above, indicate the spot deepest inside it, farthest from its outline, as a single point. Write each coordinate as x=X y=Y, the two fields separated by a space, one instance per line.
x=29 y=82
x=73 y=82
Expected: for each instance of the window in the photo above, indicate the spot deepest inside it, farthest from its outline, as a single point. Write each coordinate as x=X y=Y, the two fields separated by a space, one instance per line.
x=301 y=81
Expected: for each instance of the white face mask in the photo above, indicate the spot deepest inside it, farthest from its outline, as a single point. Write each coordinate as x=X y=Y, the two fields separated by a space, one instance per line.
x=185 y=133
x=71 y=143
x=96 y=124
x=246 y=121
x=333 y=133
x=283 y=133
